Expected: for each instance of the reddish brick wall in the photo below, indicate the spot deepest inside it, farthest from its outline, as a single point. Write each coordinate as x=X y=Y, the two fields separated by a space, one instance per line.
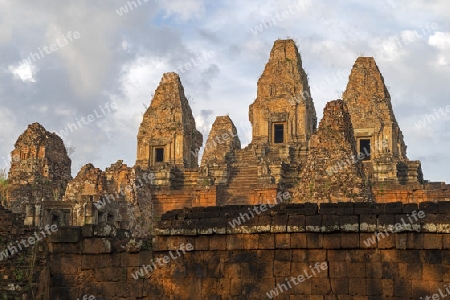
x=411 y=193
x=248 y=261
x=167 y=200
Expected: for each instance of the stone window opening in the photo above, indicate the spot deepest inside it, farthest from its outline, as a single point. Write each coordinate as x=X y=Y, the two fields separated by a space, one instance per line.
x=364 y=148
x=159 y=154
x=278 y=133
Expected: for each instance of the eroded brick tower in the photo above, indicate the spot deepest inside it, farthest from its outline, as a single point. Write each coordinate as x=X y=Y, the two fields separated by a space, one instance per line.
x=283 y=112
x=40 y=168
x=377 y=133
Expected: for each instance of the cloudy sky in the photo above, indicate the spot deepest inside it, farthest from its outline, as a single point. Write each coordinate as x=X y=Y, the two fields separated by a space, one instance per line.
x=62 y=61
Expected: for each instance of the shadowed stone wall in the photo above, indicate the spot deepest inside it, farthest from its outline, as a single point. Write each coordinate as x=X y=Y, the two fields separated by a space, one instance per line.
x=249 y=260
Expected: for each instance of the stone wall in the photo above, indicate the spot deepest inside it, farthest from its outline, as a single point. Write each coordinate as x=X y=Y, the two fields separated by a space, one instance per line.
x=250 y=260
x=24 y=271
x=411 y=193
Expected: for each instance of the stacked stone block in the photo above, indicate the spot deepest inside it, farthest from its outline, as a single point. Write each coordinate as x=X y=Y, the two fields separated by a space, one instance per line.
x=248 y=260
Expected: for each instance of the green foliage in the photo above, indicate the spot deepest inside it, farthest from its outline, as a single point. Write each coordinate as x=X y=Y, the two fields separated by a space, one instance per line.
x=19 y=274
x=3 y=174
x=147 y=245
x=21 y=259
x=3 y=184
x=206 y=182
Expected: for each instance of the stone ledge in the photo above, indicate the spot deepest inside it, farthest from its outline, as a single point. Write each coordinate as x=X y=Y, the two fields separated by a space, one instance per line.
x=66 y=235
x=289 y=218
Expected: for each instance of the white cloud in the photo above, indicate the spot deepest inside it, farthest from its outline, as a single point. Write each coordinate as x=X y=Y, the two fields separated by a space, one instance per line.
x=440 y=40
x=24 y=71
x=139 y=80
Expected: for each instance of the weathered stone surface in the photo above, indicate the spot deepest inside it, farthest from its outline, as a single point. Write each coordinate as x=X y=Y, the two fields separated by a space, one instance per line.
x=332 y=172
x=283 y=118
x=90 y=181
x=219 y=152
x=21 y=266
x=283 y=97
x=168 y=124
x=222 y=141
x=373 y=119
x=97 y=246
x=40 y=168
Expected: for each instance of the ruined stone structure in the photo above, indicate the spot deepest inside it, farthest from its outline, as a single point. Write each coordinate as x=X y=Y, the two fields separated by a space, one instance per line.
x=283 y=112
x=356 y=154
x=40 y=168
x=283 y=119
x=357 y=147
x=356 y=160
x=376 y=130
x=111 y=196
x=167 y=134
x=332 y=144
x=219 y=151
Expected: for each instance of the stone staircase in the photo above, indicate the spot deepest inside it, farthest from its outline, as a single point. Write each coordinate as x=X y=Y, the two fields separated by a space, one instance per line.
x=243 y=179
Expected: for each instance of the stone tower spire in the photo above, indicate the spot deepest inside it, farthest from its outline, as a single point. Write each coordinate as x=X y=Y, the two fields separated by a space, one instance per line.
x=283 y=111
x=168 y=133
x=377 y=133
x=40 y=167
x=222 y=141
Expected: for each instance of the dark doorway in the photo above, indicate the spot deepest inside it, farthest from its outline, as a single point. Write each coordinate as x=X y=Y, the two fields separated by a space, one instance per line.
x=364 y=148
x=159 y=154
x=55 y=220
x=278 y=133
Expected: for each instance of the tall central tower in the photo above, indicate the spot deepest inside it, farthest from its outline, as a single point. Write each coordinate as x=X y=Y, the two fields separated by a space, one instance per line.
x=283 y=112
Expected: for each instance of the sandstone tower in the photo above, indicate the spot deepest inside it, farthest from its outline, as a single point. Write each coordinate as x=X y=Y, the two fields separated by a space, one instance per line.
x=283 y=112
x=219 y=151
x=376 y=130
x=167 y=134
x=168 y=143
x=40 y=168
x=283 y=119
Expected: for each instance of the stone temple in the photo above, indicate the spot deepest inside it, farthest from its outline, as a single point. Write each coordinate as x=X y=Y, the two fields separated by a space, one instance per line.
x=355 y=154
